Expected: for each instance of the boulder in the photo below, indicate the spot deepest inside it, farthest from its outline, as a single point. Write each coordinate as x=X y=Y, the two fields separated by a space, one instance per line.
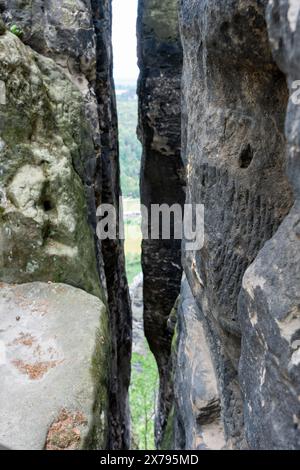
x=53 y=365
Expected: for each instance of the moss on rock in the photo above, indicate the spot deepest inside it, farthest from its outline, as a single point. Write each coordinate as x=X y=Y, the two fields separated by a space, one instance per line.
x=43 y=140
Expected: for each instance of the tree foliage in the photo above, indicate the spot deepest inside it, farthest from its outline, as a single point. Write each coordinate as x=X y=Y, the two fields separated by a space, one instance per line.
x=143 y=395
x=130 y=147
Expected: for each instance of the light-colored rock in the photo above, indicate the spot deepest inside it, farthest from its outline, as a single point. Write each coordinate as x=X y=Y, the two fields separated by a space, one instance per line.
x=197 y=420
x=44 y=230
x=53 y=367
x=71 y=119
x=137 y=306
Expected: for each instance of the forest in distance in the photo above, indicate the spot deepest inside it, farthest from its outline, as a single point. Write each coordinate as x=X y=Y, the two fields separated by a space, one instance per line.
x=130 y=147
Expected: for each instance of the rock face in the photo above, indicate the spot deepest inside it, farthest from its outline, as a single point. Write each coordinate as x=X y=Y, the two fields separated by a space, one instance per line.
x=42 y=196
x=160 y=62
x=234 y=105
x=137 y=306
x=197 y=421
x=39 y=360
x=112 y=251
x=240 y=146
x=234 y=150
x=219 y=114
x=59 y=162
x=270 y=298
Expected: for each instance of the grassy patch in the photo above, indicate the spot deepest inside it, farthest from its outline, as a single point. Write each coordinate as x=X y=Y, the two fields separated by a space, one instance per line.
x=143 y=392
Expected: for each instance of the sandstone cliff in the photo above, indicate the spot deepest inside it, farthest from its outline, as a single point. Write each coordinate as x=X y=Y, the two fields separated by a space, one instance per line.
x=59 y=162
x=160 y=61
x=219 y=124
x=235 y=352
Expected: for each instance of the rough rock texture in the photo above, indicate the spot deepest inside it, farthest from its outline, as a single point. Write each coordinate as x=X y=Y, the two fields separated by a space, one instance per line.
x=44 y=231
x=270 y=298
x=61 y=116
x=240 y=146
x=197 y=422
x=160 y=62
x=113 y=250
x=245 y=280
x=39 y=360
x=137 y=306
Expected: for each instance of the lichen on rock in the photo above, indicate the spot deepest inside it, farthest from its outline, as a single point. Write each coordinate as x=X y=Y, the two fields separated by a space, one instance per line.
x=43 y=134
x=62 y=402
x=58 y=162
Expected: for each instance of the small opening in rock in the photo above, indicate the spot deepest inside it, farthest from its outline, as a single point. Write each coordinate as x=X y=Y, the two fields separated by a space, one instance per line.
x=47 y=206
x=224 y=27
x=246 y=157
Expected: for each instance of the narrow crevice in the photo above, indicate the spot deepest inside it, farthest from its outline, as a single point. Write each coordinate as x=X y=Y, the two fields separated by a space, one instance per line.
x=144 y=375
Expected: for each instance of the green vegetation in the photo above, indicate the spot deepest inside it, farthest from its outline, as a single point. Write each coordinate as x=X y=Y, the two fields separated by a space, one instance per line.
x=130 y=147
x=144 y=379
x=16 y=30
x=143 y=390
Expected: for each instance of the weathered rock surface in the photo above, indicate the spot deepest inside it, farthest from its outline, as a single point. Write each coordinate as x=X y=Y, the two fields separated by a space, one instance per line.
x=137 y=306
x=231 y=375
x=160 y=62
x=240 y=146
x=270 y=297
x=234 y=104
x=112 y=251
x=245 y=280
x=61 y=115
x=197 y=421
x=57 y=382
x=44 y=229
x=64 y=31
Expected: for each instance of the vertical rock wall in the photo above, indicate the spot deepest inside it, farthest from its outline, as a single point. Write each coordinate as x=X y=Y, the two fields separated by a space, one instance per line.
x=235 y=352
x=63 y=128
x=160 y=62
x=113 y=250
x=270 y=297
x=245 y=279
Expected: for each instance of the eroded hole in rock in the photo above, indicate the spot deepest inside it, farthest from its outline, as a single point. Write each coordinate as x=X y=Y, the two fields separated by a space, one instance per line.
x=47 y=205
x=246 y=157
